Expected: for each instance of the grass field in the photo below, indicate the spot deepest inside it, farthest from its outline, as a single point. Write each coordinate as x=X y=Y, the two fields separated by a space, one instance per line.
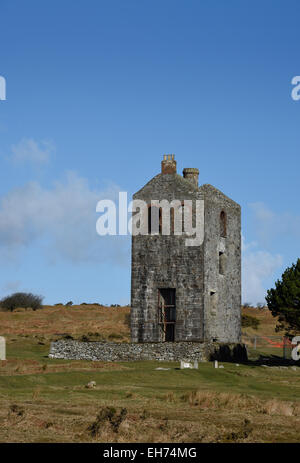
x=46 y=400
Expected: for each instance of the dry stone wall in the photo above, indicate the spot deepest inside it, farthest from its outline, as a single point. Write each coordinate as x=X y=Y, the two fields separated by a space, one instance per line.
x=167 y=351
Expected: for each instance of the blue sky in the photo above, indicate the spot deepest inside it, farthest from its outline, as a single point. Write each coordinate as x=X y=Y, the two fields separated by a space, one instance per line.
x=97 y=91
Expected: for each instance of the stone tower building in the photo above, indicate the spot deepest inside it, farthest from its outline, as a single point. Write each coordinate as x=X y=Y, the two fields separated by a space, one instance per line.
x=180 y=292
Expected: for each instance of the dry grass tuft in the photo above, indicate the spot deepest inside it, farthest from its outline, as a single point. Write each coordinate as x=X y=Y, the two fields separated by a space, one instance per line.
x=227 y=401
x=107 y=416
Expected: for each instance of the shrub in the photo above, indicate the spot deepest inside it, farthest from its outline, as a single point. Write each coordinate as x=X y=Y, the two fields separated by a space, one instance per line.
x=250 y=321
x=260 y=305
x=110 y=415
x=247 y=305
x=16 y=410
x=69 y=303
x=25 y=300
x=243 y=433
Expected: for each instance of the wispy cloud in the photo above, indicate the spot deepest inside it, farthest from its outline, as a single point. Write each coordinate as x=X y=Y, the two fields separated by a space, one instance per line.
x=64 y=217
x=257 y=266
x=259 y=262
x=11 y=286
x=271 y=225
x=29 y=150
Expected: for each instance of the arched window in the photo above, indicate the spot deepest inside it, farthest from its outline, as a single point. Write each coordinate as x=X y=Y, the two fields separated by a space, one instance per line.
x=223 y=224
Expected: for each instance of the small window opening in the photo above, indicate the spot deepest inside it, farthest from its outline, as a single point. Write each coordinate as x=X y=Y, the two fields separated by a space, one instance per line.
x=223 y=225
x=213 y=302
x=222 y=263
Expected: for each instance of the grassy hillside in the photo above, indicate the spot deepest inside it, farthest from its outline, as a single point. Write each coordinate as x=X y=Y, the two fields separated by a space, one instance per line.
x=52 y=322
x=46 y=400
x=266 y=325
x=78 y=320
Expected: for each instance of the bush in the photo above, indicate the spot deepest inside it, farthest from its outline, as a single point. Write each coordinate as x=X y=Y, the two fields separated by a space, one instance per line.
x=260 y=305
x=24 y=300
x=247 y=305
x=16 y=410
x=250 y=321
x=110 y=415
x=69 y=303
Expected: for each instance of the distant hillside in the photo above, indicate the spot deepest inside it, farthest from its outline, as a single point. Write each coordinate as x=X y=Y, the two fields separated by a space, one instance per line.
x=98 y=322
x=266 y=325
x=93 y=321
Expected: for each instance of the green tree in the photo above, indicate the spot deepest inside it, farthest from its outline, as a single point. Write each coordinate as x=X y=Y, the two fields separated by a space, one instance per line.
x=284 y=300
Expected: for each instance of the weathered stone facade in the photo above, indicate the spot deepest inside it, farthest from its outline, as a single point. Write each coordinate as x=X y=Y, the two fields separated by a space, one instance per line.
x=201 y=284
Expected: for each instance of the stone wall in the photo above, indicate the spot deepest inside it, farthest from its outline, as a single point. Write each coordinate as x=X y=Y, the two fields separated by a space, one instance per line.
x=222 y=287
x=167 y=351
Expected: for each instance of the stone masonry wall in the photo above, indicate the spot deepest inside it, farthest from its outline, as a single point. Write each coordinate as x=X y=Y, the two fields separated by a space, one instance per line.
x=222 y=292
x=167 y=351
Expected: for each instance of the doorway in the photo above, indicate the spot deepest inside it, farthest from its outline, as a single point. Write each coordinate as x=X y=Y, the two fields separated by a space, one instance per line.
x=167 y=312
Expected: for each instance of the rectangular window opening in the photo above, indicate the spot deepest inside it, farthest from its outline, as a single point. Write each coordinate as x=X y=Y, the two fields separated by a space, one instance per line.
x=213 y=302
x=167 y=312
x=222 y=263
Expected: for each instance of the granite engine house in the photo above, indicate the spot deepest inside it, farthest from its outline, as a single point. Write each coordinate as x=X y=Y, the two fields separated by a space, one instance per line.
x=181 y=292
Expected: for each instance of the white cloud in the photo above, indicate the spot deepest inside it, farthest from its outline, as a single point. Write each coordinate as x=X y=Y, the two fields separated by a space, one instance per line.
x=247 y=246
x=257 y=266
x=29 y=150
x=64 y=217
x=11 y=286
x=259 y=262
x=271 y=225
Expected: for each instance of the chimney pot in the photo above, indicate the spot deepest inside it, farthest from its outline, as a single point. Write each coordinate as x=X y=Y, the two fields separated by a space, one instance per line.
x=191 y=174
x=168 y=164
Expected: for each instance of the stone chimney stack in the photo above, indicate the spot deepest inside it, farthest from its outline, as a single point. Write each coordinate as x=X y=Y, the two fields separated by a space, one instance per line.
x=191 y=174
x=168 y=164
